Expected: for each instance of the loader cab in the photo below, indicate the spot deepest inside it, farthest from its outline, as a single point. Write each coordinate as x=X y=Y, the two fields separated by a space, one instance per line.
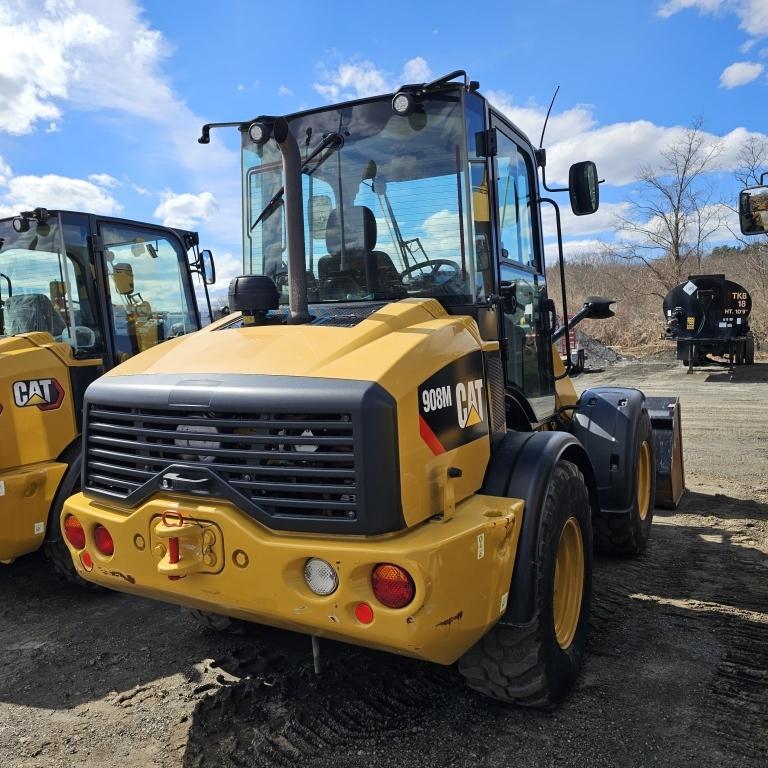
x=428 y=194
x=108 y=287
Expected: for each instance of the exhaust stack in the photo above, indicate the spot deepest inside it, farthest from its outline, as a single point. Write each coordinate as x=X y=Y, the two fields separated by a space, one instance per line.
x=294 y=222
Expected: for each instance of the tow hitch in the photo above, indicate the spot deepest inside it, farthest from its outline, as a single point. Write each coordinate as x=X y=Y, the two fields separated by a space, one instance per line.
x=186 y=546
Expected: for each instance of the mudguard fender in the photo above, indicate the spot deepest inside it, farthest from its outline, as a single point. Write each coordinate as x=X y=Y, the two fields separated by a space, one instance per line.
x=521 y=467
x=606 y=422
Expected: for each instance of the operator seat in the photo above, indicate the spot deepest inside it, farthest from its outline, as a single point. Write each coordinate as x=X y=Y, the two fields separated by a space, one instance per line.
x=29 y=312
x=362 y=261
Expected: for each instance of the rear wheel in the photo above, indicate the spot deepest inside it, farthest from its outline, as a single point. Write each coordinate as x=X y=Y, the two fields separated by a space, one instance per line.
x=54 y=549
x=535 y=665
x=626 y=533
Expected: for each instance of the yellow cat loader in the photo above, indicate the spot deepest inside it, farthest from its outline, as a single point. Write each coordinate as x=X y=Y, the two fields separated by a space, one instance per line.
x=379 y=445
x=78 y=295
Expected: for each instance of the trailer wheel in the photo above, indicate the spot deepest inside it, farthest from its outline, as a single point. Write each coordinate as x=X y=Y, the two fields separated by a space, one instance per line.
x=626 y=533
x=749 y=354
x=535 y=665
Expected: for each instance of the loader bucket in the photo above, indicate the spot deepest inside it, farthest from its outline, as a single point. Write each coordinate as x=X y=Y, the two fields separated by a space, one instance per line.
x=668 y=447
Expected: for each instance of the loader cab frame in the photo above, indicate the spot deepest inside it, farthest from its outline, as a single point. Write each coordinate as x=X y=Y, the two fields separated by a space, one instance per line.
x=110 y=287
x=448 y=159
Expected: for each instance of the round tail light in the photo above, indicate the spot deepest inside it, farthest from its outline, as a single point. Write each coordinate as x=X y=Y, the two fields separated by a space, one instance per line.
x=73 y=530
x=103 y=540
x=392 y=585
x=320 y=576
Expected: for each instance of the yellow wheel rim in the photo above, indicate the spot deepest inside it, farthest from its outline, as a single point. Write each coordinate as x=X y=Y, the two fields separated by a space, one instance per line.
x=569 y=582
x=644 y=480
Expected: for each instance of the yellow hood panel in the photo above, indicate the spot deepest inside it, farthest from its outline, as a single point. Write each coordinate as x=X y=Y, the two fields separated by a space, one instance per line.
x=368 y=351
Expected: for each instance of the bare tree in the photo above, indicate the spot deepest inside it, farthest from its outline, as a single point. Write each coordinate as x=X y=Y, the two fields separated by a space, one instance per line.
x=674 y=211
x=753 y=160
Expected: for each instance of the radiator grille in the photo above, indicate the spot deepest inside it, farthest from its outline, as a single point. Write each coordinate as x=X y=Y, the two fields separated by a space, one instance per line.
x=289 y=464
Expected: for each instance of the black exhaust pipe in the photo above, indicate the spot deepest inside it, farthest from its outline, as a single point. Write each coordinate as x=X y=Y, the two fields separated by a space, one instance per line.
x=294 y=222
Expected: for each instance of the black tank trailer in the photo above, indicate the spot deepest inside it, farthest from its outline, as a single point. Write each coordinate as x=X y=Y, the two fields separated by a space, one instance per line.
x=709 y=315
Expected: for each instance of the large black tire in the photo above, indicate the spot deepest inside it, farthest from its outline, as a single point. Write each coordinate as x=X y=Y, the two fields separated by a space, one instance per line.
x=749 y=354
x=626 y=533
x=54 y=549
x=527 y=665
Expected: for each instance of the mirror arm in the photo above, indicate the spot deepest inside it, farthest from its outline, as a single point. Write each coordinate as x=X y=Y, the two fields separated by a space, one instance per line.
x=561 y=262
x=544 y=182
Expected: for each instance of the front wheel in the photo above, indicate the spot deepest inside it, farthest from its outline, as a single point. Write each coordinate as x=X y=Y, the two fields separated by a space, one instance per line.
x=535 y=665
x=626 y=533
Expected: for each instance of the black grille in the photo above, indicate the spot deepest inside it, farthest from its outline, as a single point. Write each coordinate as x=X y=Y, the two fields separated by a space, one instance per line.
x=289 y=464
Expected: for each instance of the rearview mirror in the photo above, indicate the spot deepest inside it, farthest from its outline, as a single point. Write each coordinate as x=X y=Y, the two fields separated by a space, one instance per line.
x=753 y=211
x=584 y=188
x=207 y=267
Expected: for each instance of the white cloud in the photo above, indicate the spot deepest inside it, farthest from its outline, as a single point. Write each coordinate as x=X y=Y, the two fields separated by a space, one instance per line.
x=572 y=249
x=752 y=14
x=530 y=119
x=619 y=149
x=19 y=193
x=740 y=73
x=358 y=78
x=284 y=90
x=600 y=221
x=186 y=210
x=103 y=180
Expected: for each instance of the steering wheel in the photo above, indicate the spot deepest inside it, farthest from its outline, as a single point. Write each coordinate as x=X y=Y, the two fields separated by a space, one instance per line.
x=434 y=266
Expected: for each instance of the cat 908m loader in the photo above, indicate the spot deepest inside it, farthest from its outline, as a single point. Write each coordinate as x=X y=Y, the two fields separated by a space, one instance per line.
x=379 y=445
x=78 y=295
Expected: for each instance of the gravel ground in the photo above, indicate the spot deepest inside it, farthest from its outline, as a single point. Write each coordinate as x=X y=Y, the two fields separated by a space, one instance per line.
x=676 y=673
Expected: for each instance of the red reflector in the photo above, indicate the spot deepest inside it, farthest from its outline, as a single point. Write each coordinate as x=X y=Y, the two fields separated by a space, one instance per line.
x=392 y=585
x=103 y=540
x=74 y=532
x=86 y=560
x=364 y=613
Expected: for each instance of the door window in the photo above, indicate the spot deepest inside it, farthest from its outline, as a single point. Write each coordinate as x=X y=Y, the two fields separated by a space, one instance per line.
x=150 y=300
x=525 y=328
x=515 y=201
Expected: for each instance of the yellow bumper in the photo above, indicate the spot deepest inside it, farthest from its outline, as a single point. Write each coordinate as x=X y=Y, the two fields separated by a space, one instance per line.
x=232 y=565
x=26 y=495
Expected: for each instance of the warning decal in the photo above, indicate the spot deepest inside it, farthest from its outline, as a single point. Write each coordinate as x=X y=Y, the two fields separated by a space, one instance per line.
x=46 y=394
x=452 y=405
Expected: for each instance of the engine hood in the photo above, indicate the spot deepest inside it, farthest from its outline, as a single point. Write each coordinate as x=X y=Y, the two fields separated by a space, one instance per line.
x=414 y=332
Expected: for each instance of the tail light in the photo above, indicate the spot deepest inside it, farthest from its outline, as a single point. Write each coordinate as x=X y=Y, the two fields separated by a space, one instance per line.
x=103 y=540
x=320 y=576
x=364 y=613
x=392 y=585
x=73 y=530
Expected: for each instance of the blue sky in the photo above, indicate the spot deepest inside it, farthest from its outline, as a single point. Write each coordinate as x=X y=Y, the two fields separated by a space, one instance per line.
x=101 y=103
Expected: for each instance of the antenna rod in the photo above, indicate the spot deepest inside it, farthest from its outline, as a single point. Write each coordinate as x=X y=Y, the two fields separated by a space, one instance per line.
x=546 y=119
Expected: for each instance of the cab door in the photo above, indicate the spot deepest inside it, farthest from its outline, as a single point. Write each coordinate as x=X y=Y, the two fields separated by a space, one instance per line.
x=525 y=326
x=148 y=290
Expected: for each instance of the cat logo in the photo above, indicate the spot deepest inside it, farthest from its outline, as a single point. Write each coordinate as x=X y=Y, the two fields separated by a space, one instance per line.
x=469 y=403
x=45 y=394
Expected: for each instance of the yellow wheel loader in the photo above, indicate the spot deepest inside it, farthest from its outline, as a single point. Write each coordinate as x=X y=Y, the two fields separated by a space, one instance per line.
x=78 y=295
x=379 y=445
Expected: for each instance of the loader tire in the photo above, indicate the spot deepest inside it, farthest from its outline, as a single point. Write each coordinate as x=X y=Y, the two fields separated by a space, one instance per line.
x=626 y=533
x=55 y=550
x=535 y=665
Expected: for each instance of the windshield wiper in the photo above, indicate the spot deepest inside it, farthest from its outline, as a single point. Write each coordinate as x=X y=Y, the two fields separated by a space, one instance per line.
x=333 y=141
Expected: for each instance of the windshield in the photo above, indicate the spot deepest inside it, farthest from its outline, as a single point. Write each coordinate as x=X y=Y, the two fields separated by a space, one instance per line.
x=384 y=214
x=44 y=288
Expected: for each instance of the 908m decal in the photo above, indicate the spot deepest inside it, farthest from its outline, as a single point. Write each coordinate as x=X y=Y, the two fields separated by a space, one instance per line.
x=452 y=405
